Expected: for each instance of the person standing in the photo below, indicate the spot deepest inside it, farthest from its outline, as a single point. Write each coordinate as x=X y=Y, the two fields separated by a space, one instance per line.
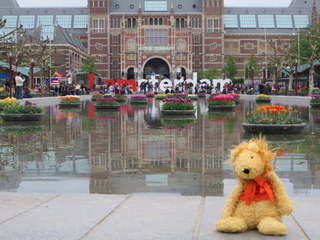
x=19 y=85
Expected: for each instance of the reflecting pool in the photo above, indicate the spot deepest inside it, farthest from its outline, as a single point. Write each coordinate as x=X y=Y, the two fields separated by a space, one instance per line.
x=136 y=150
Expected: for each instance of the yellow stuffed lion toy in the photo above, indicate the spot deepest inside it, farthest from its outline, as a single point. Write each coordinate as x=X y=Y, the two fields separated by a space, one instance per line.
x=259 y=201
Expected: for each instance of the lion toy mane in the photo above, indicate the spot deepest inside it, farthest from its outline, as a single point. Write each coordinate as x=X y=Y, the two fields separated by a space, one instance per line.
x=259 y=200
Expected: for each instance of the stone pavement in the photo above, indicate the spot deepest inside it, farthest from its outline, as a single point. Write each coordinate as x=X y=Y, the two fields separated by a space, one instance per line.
x=155 y=216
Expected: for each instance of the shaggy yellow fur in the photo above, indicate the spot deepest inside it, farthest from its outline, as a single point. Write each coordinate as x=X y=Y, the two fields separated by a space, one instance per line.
x=250 y=160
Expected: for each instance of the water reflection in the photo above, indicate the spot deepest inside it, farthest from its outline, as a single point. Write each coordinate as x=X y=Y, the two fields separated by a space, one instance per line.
x=135 y=149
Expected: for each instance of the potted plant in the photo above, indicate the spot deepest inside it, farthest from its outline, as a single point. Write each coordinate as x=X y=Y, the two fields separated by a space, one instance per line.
x=178 y=106
x=315 y=101
x=138 y=100
x=263 y=98
x=222 y=102
x=107 y=103
x=70 y=101
x=193 y=96
x=18 y=112
x=273 y=119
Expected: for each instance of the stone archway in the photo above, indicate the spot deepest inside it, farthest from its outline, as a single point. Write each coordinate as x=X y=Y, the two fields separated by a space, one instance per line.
x=156 y=66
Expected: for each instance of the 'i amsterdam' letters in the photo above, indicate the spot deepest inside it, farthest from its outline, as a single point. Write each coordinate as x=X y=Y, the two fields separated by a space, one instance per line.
x=167 y=83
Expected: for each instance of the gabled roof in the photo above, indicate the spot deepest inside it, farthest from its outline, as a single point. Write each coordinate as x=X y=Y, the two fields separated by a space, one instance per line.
x=9 y=4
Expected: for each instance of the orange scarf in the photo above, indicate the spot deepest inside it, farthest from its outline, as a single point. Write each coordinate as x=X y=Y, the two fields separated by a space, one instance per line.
x=257 y=190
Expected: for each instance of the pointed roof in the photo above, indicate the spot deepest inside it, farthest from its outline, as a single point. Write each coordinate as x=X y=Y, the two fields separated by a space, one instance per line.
x=9 y=4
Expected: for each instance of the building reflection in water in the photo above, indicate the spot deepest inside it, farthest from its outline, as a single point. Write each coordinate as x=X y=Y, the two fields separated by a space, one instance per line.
x=136 y=150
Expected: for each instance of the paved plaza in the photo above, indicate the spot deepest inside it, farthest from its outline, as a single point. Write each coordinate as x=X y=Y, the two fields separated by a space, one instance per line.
x=149 y=216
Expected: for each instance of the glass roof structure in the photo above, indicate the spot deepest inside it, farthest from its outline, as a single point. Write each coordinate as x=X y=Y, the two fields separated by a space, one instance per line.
x=27 y=21
x=44 y=20
x=266 y=21
x=284 y=21
x=301 y=21
x=47 y=33
x=64 y=20
x=248 y=21
x=80 y=21
x=11 y=21
x=231 y=21
x=155 y=6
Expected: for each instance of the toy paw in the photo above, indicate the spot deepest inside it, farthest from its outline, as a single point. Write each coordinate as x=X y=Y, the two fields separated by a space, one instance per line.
x=271 y=226
x=231 y=224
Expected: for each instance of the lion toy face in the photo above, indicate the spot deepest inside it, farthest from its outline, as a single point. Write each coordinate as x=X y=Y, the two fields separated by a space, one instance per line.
x=248 y=165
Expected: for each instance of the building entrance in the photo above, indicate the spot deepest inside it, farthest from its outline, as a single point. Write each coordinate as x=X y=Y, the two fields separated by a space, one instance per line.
x=156 y=66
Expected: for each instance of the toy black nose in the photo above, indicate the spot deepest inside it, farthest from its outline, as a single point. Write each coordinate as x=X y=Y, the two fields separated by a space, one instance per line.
x=246 y=171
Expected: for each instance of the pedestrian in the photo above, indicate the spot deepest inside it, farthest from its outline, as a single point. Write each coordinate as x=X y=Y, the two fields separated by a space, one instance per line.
x=19 y=85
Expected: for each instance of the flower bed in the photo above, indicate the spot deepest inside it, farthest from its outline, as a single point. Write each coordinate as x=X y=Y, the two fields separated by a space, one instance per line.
x=17 y=112
x=263 y=98
x=120 y=97
x=150 y=95
x=107 y=103
x=180 y=95
x=177 y=106
x=274 y=119
x=138 y=100
x=222 y=102
x=193 y=97
x=70 y=101
x=161 y=96
x=95 y=96
x=315 y=101
x=8 y=102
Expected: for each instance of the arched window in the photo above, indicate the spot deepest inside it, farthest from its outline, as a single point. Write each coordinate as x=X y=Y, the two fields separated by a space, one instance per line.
x=156 y=21
x=177 y=23
x=134 y=23
x=151 y=21
x=129 y=23
x=182 y=22
x=160 y=21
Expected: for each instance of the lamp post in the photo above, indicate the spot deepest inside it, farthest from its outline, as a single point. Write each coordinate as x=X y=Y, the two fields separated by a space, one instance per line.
x=264 y=75
x=10 y=73
x=276 y=79
x=252 y=78
x=31 y=73
x=296 y=80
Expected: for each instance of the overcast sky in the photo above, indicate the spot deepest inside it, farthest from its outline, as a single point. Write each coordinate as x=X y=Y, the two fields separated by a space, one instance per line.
x=83 y=3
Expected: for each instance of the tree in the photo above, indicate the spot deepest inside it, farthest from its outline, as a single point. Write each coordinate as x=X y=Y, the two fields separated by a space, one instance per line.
x=283 y=58
x=252 y=64
x=306 y=48
x=230 y=68
x=211 y=73
x=89 y=66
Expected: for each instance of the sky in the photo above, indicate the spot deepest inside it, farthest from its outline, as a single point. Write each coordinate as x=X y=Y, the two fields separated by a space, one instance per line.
x=83 y=3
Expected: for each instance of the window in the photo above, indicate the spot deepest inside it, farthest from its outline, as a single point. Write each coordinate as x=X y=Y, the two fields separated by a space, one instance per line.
x=44 y=20
x=180 y=23
x=64 y=20
x=248 y=46
x=213 y=25
x=98 y=25
x=80 y=21
x=115 y=23
x=196 y=38
x=115 y=39
x=99 y=58
x=132 y=22
x=99 y=46
x=231 y=21
x=284 y=21
x=213 y=46
x=155 y=6
x=266 y=21
x=248 y=21
x=27 y=21
x=11 y=21
x=301 y=21
x=156 y=37
x=47 y=33
x=213 y=58
x=196 y=22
